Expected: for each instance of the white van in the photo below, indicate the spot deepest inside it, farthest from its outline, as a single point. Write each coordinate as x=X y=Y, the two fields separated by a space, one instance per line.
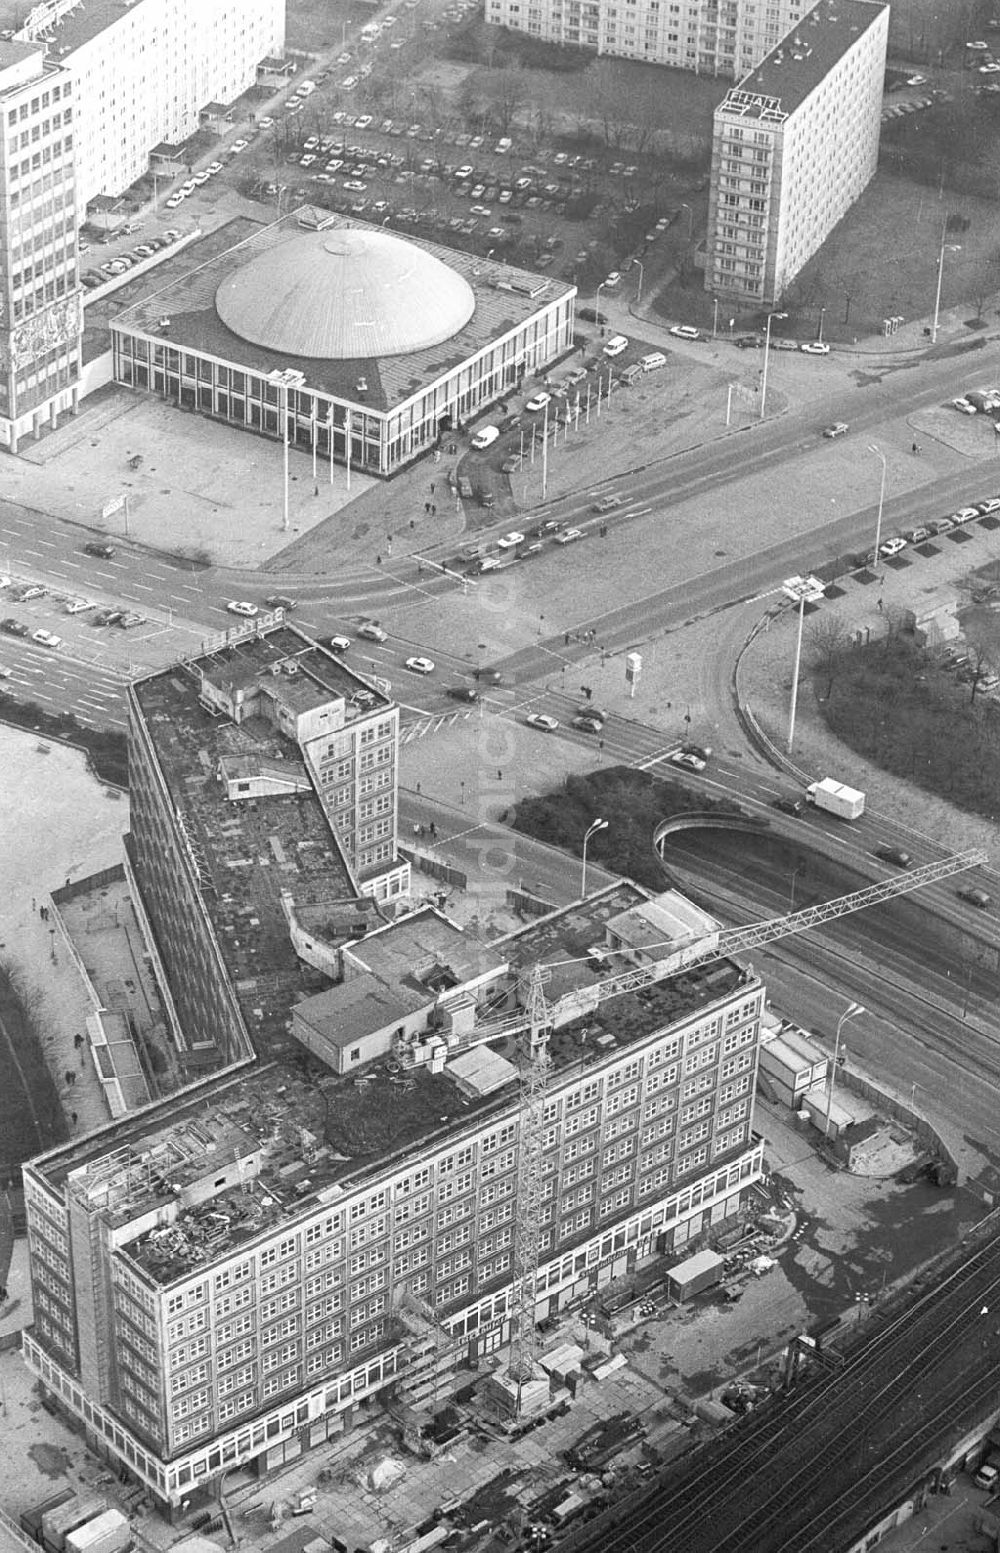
x=652 y=361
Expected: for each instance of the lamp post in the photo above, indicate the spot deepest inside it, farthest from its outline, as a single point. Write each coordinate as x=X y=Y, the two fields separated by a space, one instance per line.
x=767 y=355
x=687 y=207
x=638 y=290
x=795 y=673
x=945 y=248
x=881 y=503
x=283 y=381
x=590 y=831
x=849 y=1013
x=597 y=301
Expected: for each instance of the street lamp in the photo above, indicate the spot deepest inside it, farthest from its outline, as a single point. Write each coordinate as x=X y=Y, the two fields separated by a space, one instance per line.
x=850 y=1012
x=590 y=831
x=597 y=300
x=638 y=290
x=767 y=355
x=945 y=248
x=881 y=502
x=283 y=381
x=685 y=206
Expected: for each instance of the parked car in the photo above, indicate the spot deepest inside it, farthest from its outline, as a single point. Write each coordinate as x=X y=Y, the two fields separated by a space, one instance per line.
x=13 y=627
x=538 y=402
x=917 y=536
x=685 y=332
x=962 y=404
x=485 y=437
x=838 y=429
x=891 y=547
x=46 y=638
x=815 y=348
x=617 y=344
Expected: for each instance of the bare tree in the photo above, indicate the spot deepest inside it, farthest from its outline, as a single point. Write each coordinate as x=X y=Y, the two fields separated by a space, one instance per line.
x=828 y=640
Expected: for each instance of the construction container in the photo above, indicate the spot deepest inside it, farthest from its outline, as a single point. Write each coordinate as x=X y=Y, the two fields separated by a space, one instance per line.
x=56 y=1523
x=109 y=1532
x=31 y=1520
x=697 y=1273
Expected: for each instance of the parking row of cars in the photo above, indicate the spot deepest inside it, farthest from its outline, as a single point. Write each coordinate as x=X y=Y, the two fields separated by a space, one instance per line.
x=93 y=278
x=198 y=179
x=26 y=592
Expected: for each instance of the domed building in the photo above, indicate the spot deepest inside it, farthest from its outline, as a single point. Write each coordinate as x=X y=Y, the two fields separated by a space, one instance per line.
x=376 y=344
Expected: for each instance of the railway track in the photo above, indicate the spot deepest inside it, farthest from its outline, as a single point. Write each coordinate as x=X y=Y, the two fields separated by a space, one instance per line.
x=821 y=1462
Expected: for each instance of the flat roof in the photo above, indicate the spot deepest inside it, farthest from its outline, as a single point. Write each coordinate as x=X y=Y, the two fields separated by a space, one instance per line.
x=188 y=301
x=75 y=27
x=805 y=56
x=295 y=1134
x=249 y=854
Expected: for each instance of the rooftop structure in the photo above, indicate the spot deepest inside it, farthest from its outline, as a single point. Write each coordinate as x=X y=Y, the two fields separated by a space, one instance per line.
x=392 y=341
x=795 y=143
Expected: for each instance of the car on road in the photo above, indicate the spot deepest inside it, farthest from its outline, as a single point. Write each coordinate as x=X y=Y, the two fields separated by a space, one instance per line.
x=464 y=693
x=701 y=751
x=607 y=503
x=99 y=548
x=687 y=760
x=814 y=348
x=587 y=722
x=420 y=665
x=612 y=281
x=542 y=721
x=46 y=638
x=485 y=437
x=339 y=643
x=838 y=429
x=538 y=402
x=371 y=631
x=13 y=627
x=265 y=123
x=510 y=541
x=894 y=855
x=568 y=535
x=962 y=404
x=974 y=897
x=241 y=607
x=685 y=332
x=891 y=547
x=279 y=601
x=617 y=344
x=238 y=146
x=789 y=805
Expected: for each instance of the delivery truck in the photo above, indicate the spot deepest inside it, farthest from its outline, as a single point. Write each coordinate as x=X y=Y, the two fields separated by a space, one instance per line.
x=845 y=802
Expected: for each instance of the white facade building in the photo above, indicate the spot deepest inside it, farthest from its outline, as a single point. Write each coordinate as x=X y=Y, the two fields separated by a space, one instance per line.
x=712 y=37
x=145 y=68
x=795 y=143
x=41 y=317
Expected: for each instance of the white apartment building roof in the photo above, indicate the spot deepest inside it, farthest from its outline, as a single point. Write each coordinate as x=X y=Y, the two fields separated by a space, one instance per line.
x=792 y=71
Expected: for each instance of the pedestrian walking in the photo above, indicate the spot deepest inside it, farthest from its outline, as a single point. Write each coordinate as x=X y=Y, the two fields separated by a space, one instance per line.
x=432 y=487
x=427 y=506
x=433 y=511
x=378 y=560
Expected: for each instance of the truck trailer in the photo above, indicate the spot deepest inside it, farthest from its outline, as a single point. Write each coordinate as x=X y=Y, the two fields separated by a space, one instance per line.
x=847 y=803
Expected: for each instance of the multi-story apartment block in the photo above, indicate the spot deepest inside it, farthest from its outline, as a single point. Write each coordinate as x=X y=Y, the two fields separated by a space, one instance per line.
x=41 y=316
x=712 y=37
x=794 y=145
x=144 y=69
x=263 y=798
x=230 y=1277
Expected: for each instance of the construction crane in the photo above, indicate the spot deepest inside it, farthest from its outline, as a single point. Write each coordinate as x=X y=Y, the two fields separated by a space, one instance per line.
x=531 y=1024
